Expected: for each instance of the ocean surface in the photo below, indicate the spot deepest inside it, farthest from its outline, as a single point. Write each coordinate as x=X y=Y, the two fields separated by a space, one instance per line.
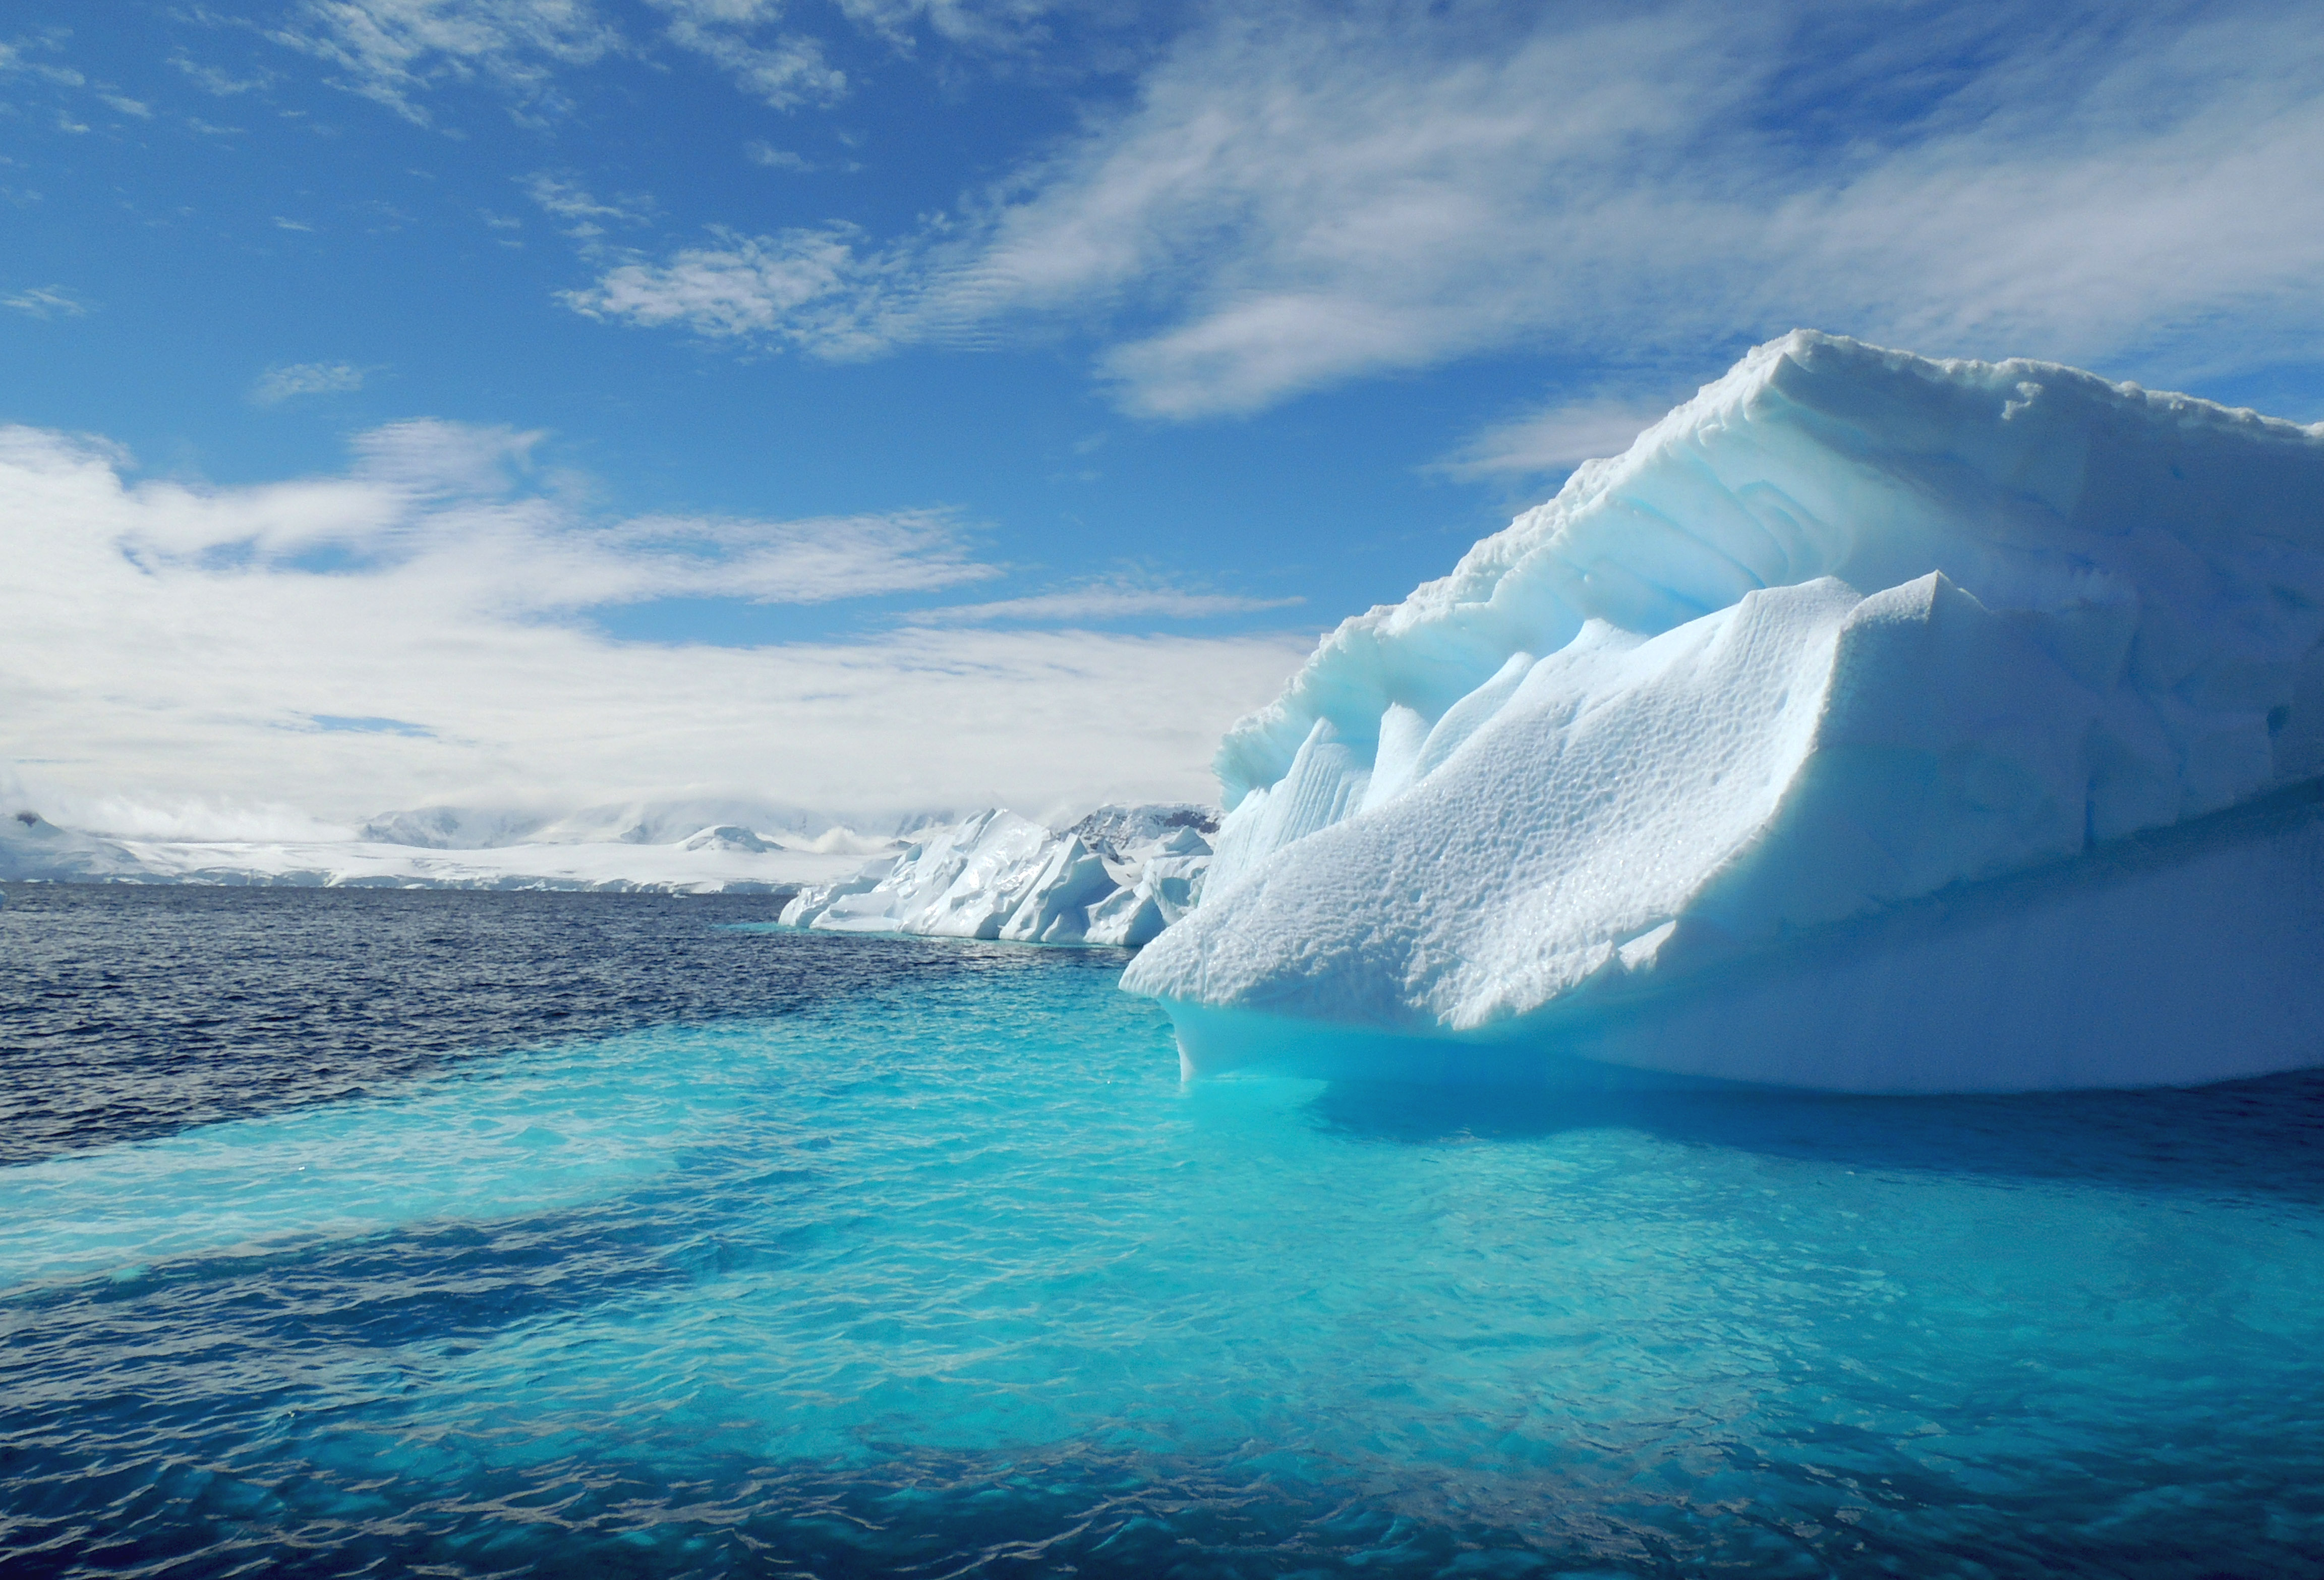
x=364 y=1233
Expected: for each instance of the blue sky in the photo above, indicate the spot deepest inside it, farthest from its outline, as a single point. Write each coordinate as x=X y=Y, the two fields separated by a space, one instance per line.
x=904 y=403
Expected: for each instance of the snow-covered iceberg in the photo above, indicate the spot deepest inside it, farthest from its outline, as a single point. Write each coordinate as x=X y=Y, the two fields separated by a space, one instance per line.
x=1119 y=876
x=1872 y=724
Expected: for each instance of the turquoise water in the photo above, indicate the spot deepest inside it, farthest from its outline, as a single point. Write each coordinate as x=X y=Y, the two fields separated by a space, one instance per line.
x=951 y=1275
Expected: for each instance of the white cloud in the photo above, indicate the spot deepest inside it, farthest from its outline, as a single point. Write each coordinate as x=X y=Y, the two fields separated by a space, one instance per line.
x=168 y=644
x=568 y=200
x=127 y=106
x=391 y=51
x=767 y=155
x=222 y=83
x=804 y=288
x=1107 y=599
x=564 y=198
x=1310 y=196
x=278 y=384
x=1554 y=438
x=46 y=302
x=781 y=69
x=996 y=25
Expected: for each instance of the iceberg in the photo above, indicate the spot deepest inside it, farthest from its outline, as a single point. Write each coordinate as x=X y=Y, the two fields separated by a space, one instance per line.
x=1874 y=723
x=1117 y=877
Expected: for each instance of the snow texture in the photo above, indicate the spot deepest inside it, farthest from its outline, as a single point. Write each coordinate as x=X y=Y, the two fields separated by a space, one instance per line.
x=1848 y=630
x=1119 y=876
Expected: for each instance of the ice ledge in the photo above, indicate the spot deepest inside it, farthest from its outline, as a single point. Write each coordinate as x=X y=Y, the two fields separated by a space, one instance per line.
x=2182 y=957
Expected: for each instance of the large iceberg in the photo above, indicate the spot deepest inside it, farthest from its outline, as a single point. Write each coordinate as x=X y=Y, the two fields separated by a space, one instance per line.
x=1119 y=876
x=1872 y=724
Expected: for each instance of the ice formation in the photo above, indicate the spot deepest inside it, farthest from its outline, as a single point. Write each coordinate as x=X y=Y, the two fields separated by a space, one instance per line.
x=724 y=858
x=1823 y=738
x=1119 y=876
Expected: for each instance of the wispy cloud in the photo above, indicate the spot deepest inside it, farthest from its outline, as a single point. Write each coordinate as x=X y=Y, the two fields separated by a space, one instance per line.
x=566 y=199
x=396 y=51
x=807 y=288
x=1103 y=600
x=779 y=67
x=288 y=382
x=222 y=83
x=1325 y=194
x=993 y=25
x=454 y=506
x=405 y=632
x=393 y=51
x=762 y=152
x=584 y=216
x=1553 y=439
x=46 y=302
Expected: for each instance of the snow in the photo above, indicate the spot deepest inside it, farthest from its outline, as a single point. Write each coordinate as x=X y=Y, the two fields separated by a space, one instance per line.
x=1118 y=877
x=1849 y=635
x=723 y=859
x=637 y=822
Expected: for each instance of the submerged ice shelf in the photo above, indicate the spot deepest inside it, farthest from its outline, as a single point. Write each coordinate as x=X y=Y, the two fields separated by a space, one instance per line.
x=1821 y=740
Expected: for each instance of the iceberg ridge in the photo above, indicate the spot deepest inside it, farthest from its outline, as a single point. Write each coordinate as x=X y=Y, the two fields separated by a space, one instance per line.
x=1117 y=877
x=1848 y=630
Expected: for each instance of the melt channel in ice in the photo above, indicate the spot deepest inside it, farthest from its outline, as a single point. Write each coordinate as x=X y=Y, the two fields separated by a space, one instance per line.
x=1872 y=724
x=1119 y=876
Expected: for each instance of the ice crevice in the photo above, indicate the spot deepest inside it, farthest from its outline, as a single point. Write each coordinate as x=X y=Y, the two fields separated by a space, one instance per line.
x=1849 y=632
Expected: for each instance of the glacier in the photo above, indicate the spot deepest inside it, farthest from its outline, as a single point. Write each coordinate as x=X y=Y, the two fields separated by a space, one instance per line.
x=1117 y=877
x=443 y=848
x=1874 y=723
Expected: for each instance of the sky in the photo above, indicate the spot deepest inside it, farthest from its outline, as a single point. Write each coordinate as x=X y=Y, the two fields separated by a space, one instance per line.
x=871 y=406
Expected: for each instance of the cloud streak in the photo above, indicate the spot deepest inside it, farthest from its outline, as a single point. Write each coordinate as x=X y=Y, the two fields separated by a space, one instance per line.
x=395 y=52
x=292 y=379
x=1317 y=195
x=1100 y=601
x=45 y=301
x=1553 y=439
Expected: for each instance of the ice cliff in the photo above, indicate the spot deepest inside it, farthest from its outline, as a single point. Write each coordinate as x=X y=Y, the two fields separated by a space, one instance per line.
x=1119 y=876
x=1872 y=722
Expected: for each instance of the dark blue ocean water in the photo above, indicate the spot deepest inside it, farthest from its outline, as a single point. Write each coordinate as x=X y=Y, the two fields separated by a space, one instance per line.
x=384 y=1233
